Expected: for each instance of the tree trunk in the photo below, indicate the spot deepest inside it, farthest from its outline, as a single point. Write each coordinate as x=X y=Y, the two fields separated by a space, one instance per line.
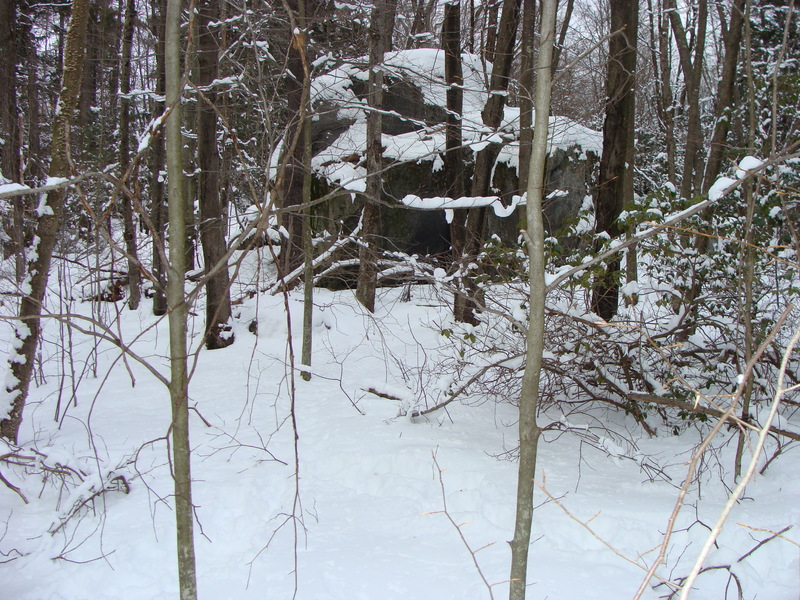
x=562 y=36
x=659 y=33
x=10 y=163
x=529 y=399
x=11 y=148
x=454 y=79
x=308 y=245
x=526 y=92
x=34 y=170
x=213 y=213
x=21 y=359
x=381 y=25
x=179 y=382
x=727 y=82
x=158 y=211
x=491 y=29
x=134 y=276
x=492 y=115
x=454 y=160
x=289 y=190
x=615 y=186
x=692 y=72
x=423 y=14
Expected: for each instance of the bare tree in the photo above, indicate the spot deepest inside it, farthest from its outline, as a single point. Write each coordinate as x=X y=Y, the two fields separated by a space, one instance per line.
x=732 y=39
x=615 y=187
x=12 y=45
x=381 y=26
x=691 y=53
x=213 y=212
x=50 y=212
x=492 y=116
x=158 y=216
x=134 y=277
x=526 y=91
x=178 y=310
x=529 y=430
x=665 y=107
x=454 y=160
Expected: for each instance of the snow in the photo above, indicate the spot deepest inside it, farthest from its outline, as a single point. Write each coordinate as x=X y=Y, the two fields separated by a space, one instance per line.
x=370 y=496
x=425 y=67
x=55 y=181
x=43 y=208
x=450 y=204
x=747 y=165
x=9 y=186
x=717 y=190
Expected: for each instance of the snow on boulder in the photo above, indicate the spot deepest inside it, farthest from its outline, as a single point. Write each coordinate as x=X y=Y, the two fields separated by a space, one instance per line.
x=414 y=145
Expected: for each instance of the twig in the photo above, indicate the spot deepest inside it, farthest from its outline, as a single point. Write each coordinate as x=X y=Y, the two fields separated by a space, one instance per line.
x=694 y=462
x=681 y=216
x=595 y=535
x=743 y=557
x=748 y=474
x=458 y=528
x=10 y=485
x=774 y=533
x=463 y=388
x=704 y=410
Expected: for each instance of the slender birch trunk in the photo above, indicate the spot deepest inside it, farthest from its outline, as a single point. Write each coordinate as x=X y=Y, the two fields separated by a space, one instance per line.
x=179 y=382
x=529 y=399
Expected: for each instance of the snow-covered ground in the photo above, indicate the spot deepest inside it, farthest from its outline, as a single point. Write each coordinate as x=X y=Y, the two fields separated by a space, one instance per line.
x=366 y=486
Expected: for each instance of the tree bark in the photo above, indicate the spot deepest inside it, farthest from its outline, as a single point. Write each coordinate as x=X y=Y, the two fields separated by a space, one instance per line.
x=158 y=207
x=492 y=8
x=423 y=13
x=454 y=160
x=213 y=213
x=725 y=92
x=308 y=245
x=526 y=91
x=289 y=192
x=665 y=106
x=27 y=332
x=616 y=165
x=11 y=149
x=562 y=36
x=134 y=276
x=492 y=115
x=381 y=25
x=529 y=430
x=692 y=72
x=179 y=381
x=10 y=163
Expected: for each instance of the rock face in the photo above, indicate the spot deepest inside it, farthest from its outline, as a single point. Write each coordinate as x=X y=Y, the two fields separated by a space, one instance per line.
x=413 y=139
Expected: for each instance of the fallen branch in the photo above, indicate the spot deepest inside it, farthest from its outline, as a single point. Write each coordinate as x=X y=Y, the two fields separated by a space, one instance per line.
x=462 y=389
x=383 y=395
x=705 y=410
x=284 y=282
x=10 y=485
x=669 y=223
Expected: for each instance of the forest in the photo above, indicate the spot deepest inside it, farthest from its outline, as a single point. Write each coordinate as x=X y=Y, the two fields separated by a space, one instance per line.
x=399 y=299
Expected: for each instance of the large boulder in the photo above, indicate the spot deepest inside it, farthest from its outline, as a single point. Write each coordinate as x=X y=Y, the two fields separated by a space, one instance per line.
x=414 y=143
